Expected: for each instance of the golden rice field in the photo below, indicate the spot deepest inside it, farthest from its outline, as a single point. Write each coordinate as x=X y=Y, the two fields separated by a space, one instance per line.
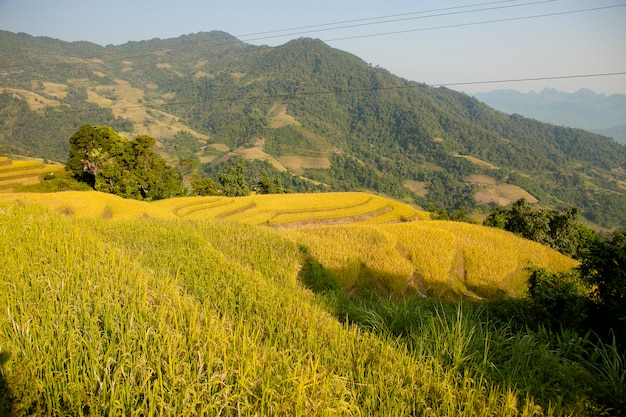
x=434 y=258
x=130 y=314
x=14 y=173
x=369 y=242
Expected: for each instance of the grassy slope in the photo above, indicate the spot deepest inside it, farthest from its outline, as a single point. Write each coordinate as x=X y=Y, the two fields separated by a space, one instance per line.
x=197 y=317
x=363 y=239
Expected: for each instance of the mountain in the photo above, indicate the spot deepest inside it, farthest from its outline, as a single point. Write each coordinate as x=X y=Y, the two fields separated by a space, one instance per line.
x=308 y=114
x=583 y=109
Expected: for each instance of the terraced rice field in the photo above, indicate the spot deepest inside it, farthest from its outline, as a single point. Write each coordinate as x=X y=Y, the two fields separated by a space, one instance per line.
x=14 y=173
x=278 y=210
x=368 y=242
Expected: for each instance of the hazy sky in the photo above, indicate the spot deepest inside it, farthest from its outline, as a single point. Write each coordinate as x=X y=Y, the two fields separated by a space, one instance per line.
x=436 y=42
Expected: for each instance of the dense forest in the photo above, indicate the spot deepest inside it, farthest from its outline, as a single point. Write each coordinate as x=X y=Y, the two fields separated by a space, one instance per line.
x=347 y=125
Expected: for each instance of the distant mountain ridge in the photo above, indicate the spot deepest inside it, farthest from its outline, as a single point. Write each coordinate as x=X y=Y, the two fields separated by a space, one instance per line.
x=306 y=113
x=583 y=109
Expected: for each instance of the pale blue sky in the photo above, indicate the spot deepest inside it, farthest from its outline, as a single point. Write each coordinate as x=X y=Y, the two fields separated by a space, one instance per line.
x=454 y=47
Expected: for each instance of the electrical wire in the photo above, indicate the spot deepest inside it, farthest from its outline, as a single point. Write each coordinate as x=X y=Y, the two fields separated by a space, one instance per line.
x=396 y=20
x=372 y=18
x=478 y=23
x=243 y=38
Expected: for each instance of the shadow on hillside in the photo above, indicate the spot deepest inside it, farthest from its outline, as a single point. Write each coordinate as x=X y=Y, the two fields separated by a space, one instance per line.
x=367 y=281
x=6 y=398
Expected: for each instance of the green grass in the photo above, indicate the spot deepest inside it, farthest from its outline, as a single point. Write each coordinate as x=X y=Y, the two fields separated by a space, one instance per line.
x=176 y=317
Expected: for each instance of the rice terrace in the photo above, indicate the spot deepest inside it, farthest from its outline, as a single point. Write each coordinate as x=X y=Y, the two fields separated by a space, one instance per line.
x=244 y=230
x=199 y=305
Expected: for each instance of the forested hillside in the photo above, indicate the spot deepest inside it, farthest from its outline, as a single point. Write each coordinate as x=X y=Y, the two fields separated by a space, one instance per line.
x=306 y=111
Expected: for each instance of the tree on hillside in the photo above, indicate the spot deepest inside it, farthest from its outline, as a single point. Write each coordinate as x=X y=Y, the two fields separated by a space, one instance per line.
x=603 y=265
x=269 y=185
x=558 y=229
x=234 y=181
x=110 y=163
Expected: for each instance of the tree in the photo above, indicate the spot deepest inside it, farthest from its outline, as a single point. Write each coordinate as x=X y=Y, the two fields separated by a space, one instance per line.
x=204 y=186
x=234 y=182
x=603 y=265
x=90 y=147
x=110 y=163
x=269 y=185
x=558 y=229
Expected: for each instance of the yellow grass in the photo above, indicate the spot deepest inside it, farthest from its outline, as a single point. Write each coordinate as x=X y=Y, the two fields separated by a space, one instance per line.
x=283 y=210
x=35 y=101
x=36 y=170
x=220 y=147
x=127 y=104
x=502 y=194
x=445 y=258
x=476 y=161
x=279 y=117
x=55 y=89
x=419 y=188
x=20 y=165
x=364 y=239
x=494 y=259
x=481 y=179
x=14 y=174
x=299 y=163
x=200 y=63
x=201 y=74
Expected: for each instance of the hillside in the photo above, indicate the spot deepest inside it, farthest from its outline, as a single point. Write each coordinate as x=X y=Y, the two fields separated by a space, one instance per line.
x=306 y=110
x=109 y=313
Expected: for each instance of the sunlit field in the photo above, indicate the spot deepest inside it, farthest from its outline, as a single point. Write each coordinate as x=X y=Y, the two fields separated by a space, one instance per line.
x=15 y=173
x=153 y=316
x=200 y=306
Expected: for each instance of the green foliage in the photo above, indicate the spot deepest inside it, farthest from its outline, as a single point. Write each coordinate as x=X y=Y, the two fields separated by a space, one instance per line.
x=316 y=278
x=555 y=368
x=269 y=185
x=234 y=182
x=110 y=163
x=558 y=229
x=557 y=300
x=459 y=215
x=204 y=186
x=603 y=265
x=260 y=176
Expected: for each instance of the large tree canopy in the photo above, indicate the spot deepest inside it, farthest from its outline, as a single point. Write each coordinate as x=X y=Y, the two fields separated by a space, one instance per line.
x=111 y=163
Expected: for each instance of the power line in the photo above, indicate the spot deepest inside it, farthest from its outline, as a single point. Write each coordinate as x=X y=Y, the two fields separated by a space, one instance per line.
x=510 y=19
x=372 y=18
x=409 y=86
x=402 y=17
x=395 y=20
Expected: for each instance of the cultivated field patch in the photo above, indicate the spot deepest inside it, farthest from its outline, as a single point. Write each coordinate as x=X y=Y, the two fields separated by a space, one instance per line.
x=279 y=117
x=35 y=101
x=476 y=161
x=55 y=89
x=503 y=194
x=299 y=163
x=15 y=173
x=419 y=188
